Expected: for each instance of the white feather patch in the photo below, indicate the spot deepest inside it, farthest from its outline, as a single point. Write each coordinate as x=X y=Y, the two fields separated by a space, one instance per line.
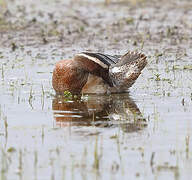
x=92 y=59
x=116 y=70
x=132 y=69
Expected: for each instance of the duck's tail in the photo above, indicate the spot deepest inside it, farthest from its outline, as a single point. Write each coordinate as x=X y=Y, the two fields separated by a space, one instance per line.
x=124 y=73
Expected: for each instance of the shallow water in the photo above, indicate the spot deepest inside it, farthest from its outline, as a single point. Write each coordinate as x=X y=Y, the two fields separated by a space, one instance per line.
x=143 y=134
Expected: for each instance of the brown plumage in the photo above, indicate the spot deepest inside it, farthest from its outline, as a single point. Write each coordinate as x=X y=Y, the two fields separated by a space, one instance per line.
x=97 y=73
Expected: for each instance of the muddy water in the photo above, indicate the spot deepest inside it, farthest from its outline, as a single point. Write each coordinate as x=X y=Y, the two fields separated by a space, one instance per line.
x=143 y=134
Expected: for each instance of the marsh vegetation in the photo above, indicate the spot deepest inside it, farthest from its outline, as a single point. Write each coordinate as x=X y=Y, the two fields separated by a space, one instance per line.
x=143 y=134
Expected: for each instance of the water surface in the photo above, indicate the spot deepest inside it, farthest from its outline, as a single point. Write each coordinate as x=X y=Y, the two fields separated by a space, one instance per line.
x=143 y=134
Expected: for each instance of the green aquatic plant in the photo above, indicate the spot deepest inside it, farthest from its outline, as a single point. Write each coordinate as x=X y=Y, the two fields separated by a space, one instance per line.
x=129 y=20
x=180 y=67
x=96 y=156
x=11 y=150
x=2 y=72
x=189 y=67
x=67 y=94
x=157 y=77
x=187 y=143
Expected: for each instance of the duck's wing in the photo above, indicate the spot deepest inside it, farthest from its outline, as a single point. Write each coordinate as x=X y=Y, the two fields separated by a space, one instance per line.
x=129 y=58
x=104 y=60
x=117 y=71
x=97 y=64
x=125 y=72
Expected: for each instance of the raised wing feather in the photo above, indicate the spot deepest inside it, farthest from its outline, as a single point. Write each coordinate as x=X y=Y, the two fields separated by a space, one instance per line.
x=104 y=60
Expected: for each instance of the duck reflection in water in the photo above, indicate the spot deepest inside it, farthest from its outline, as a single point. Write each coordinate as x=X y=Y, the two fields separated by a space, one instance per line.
x=100 y=111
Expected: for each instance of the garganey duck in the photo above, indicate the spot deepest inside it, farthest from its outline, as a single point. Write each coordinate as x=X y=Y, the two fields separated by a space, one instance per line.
x=90 y=72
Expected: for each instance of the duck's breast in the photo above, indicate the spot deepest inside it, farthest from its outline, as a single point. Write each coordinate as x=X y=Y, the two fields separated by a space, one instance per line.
x=95 y=85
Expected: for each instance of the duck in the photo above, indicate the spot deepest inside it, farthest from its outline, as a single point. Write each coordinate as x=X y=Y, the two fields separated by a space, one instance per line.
x=97 y=73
